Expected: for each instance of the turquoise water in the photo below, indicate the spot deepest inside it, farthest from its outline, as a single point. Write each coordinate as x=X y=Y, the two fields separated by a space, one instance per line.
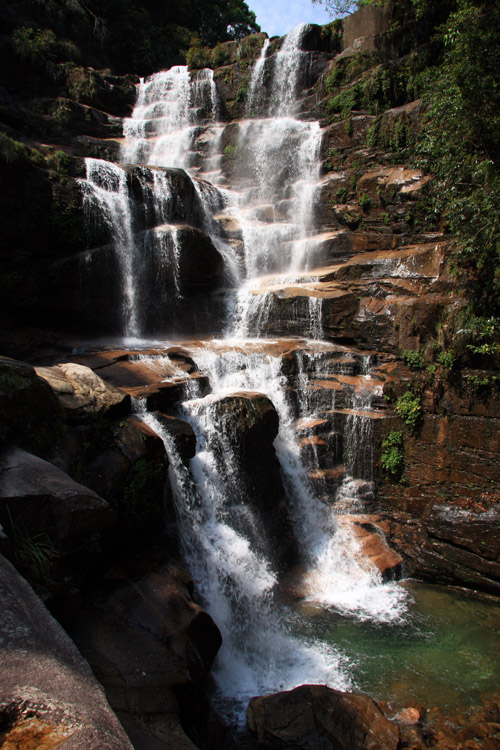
x=445 y=652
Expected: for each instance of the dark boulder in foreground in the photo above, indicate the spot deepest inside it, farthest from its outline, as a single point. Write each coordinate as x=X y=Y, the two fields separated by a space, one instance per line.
x=48 y=695
x=315 y=717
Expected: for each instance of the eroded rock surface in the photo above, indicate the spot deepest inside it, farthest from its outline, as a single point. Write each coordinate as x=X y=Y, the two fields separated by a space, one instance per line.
x=48 y=695
x=314 y=717
x=152 y=649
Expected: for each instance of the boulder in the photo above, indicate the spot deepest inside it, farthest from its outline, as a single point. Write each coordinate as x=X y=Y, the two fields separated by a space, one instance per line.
x=152 y=648
x=248 y=420
x=48 y=695
x=181 y=433
x=315 y=717
x=30 y=414
x=248 y=424
x=43 y=499
x=81 y=391
x=373 y=545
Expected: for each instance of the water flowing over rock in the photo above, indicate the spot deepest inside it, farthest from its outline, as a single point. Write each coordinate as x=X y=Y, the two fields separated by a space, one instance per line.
x=257 y=272
x=260 y=493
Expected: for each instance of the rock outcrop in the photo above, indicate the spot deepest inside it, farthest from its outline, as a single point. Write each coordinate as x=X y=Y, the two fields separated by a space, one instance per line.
x=152 y=649
x=45 y=500
x=314 y=716
x=48 y=695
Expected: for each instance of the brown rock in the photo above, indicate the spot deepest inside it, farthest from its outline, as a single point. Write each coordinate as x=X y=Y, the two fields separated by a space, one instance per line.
x=149 y=644
x=373 y=545
x=314 y=717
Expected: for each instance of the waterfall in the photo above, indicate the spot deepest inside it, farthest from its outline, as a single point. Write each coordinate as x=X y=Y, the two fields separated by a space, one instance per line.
x=268 y=201
x=106 y=191
x=256 y=91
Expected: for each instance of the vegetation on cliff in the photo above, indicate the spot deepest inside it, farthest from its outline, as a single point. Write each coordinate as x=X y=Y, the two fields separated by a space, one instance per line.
x=129 y=36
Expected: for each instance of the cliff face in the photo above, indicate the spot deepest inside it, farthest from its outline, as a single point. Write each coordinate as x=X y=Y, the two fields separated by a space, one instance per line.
x=418 y=437
x=380 y=268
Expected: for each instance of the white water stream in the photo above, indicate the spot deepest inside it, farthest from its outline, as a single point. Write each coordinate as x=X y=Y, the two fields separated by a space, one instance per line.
x=271 y=199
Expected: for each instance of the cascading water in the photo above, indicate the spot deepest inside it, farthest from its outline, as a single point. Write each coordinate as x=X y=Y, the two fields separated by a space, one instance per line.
x=271 y=199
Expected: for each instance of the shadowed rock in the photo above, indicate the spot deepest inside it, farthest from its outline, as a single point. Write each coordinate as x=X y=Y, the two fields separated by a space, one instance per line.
x=48 y=696
x=315 y=717
x=45 y=499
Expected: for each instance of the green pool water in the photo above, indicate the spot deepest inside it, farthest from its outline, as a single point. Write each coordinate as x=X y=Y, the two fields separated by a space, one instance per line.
x=445 y=652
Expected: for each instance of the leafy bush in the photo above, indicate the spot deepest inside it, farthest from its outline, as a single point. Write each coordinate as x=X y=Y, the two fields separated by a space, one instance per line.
x=11 y=150
x=461 y=148
x=59 y=161
x=446 y=359
x=392 y=456
x=365 y=202
x=409 y=408
x=220 y=56
x=414 y=360
x=198 y=57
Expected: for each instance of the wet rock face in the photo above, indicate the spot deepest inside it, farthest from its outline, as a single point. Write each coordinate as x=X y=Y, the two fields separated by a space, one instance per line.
x=314 y=716
x=454 y=543
x=48 y=695
x=248 y=423
x=248 y=420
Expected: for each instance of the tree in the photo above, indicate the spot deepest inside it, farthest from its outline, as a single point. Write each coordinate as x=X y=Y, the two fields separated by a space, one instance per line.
x=339 y=8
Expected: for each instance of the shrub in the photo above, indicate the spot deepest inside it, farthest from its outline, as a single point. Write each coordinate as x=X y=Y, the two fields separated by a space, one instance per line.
x=365 y=202
x=341 y=195
x=11 y=150
x=59 y=161
x=414 y=360
x=198 y=57
x=392 y=456
x=409 y=408
x=447 y=359
x=220 y=56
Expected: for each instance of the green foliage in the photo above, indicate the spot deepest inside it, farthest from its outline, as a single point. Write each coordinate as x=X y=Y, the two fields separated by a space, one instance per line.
x=250 y=46
x=341 y=195
x=348 y=69
x=446 y=359
x=33 y=553
x=59 y=161
x=129 y=36
x=461 y=148
x=11 y=151
x=392 y=456
x=198 y=57
x=409 y=408
x=365 y=202
x=242 y=92
x=414 y=360
x=481 y=382
x=220 y=56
